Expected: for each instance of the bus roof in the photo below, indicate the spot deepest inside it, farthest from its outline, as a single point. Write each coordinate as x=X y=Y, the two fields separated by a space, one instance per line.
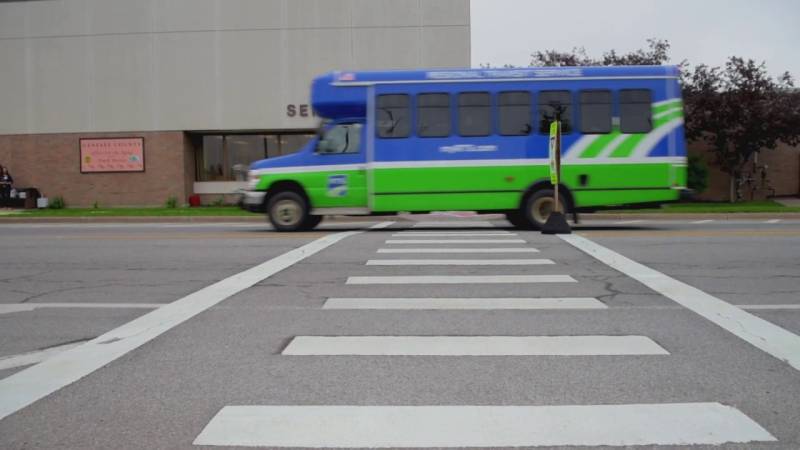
x=330 y=100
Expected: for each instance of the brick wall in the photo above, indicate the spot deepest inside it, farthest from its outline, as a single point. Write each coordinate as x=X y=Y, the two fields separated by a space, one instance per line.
x=50 y=162
x=783 y=174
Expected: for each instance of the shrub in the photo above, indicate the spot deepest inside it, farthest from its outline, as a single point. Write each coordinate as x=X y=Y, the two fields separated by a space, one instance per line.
x=697 y=177
x=57 y=203
x=172 y=202
x=96 y=205
x=219 y=201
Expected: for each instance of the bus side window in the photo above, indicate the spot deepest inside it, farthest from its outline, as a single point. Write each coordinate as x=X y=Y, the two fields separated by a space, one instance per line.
x=433 y=115
x=474 y=114
x=554 y=104
x=341 y=138
x=514 y=113
x=635 y=114
x=393 y=116
x=595 y=112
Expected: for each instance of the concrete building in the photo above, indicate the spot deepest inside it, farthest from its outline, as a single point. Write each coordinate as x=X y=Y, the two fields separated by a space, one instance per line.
x=202 y=86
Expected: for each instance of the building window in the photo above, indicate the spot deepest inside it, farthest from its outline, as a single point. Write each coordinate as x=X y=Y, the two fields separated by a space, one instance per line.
x=514 y=113
x=211 y=159
x=433 y=115
x=227 y=157
x=474 y=114
x=394 y=116
x=635 y=115
x=595 y=112
x=553 y=104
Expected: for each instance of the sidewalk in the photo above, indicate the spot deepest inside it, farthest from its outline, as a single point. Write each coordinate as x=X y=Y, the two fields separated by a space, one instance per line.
x=788 y=201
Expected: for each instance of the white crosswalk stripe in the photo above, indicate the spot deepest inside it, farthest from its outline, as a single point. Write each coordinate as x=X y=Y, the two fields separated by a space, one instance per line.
x=474 y=345
x=455 y=241
x=459 y=262
x=454 y=224
x=463 y=303
x=460 y=250
x=678 y=424
x=451 y=234
x=458 y=279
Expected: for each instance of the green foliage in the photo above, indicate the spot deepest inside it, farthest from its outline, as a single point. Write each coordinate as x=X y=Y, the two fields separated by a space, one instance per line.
x=160 y=211
x=220 y=201
x=57 y=203
x=95 y=205
x=697 y=174
x=657 y=53
x=171 y=203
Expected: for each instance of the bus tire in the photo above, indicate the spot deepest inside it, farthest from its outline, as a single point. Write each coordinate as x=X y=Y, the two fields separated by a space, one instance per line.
x=311 y=222
x=538 y=207
x=287 y=211
x=517 y=219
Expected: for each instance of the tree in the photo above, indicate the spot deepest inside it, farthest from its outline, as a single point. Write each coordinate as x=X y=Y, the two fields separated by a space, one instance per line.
x=739 y=110
x=656 y=54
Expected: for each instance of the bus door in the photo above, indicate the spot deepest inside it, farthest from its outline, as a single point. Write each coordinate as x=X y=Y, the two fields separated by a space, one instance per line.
x=339 y=172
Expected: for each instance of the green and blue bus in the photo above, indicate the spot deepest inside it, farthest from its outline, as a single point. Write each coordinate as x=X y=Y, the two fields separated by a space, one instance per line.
x=477 y=140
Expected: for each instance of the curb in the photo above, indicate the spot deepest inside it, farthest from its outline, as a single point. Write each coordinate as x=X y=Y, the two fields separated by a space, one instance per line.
x=261 y=218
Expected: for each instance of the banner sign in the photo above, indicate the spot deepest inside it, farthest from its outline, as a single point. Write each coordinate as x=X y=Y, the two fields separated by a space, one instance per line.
x=112 y=155
x=555 y=152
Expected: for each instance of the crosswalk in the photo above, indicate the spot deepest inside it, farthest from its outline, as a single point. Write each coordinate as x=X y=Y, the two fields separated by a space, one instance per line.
x=401 y=425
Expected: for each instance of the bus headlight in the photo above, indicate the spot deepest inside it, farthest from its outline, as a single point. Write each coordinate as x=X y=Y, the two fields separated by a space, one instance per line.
x=252 y=180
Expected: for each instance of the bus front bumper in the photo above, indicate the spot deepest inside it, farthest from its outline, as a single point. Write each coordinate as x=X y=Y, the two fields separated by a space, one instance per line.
x=253 y=201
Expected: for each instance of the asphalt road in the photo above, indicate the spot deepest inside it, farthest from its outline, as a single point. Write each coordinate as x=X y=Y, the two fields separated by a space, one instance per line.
x=651 y=352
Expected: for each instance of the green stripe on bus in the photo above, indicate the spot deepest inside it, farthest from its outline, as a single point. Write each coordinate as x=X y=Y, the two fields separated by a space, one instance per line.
x=626 y=147
x=666 y=106
x=599 y=145
x=668 y=118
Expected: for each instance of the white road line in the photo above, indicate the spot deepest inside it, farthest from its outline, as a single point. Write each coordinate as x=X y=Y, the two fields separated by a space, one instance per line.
x=459 y=262
x=23 y=307
x=628 y=222
x=454 y=224
x=455 y=241
x=773 y=221
x=26 y=359
x=460 y=250
x=703 y=221
x=462 y=303
x=770 y=307
x=25 y=387
x=678 y=424
x=450 y=234
x=381 y=225
x=456 y=279
x=473 y=346
x=765 y=335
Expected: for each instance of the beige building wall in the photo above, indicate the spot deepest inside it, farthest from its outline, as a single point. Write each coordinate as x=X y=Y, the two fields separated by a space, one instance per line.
x=158 y=65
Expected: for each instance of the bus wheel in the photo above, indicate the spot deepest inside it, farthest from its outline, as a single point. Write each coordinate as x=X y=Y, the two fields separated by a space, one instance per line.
x=287 y=211
x=517 y=219
x=539 y=206
x=311 y=222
